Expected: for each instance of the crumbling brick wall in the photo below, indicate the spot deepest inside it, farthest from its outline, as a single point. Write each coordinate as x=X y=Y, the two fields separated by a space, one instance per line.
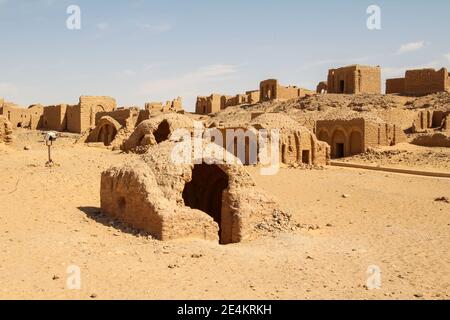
x=6 y=134
x=124 y=116
x=396 y=85
x=172 y=105
x=154 y=106
x=22 y=117
x=431 y=119
x=55 y=118
x=253 y=96
x=82 y=116
x=420 y=82
x=270 y=89
x=426 y=81
x=210 y=104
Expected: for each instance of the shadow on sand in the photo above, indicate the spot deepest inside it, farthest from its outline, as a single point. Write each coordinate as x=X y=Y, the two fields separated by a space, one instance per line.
x=98 y=216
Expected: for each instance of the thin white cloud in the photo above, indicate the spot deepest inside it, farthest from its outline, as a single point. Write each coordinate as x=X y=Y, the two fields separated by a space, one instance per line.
x=189 y=80
x=202 y=81
x=447 y=56
x=7 y=89
x=156 y=28
x=102 y=26
x=129 y=72
x=335 y=62
x=410 y=47
x=391 y=72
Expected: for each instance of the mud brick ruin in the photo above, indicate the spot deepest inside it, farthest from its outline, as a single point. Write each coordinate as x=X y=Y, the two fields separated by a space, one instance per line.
x=175 y=105
x=218 y=202
x=432 y=119
x=349 y=137
x=6 y=133
x=22 y=117
x=209 y=104
x=213 y=198
x=420 y=82
x=271 y=90
x=354 y=79
x=72 y=118
x=297 y=145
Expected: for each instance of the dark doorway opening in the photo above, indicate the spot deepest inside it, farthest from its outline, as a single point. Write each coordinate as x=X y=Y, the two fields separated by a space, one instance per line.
x=107 y=134
x=162 y=132
x=341 y=86
x=204 y=191
x=305 y=156
x=339 y=150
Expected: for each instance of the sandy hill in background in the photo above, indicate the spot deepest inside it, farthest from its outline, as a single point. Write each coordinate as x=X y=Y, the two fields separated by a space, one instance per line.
x=306 y=110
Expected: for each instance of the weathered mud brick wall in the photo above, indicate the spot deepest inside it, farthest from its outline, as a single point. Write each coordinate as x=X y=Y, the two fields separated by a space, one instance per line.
x=382 y=134
x=122 y=116
x=210 y=104
x=354 y=79
x=396 y=85
x=82 y=117
x=270 y=89
x=426 y=81
x=354 y=136
x=54 y=118
x=23 y=117
x=431 y=119
x=6 y=135
x=253 y=96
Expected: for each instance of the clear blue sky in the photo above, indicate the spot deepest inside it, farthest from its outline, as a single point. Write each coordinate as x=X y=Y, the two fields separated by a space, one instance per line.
x=140 y=51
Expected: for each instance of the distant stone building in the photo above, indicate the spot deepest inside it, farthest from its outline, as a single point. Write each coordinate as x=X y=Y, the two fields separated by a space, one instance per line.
x=216 y=102
x=271 y=90
x=420 y=82
x=20 y=117
x=81 y=117
x=349 y=137
x=209 y=104
x=175 y=105
x=72 y=118
x=354 y=79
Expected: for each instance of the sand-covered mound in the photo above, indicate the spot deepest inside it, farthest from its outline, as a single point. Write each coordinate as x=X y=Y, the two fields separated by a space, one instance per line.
x=307 y=110
x=438 y=101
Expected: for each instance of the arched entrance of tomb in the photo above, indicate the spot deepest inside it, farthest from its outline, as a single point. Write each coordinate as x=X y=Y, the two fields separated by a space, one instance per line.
x=356 y=143
x=162 y=132
x=106 y=130
x=205 y=192
x=106 y=134
x=338 y=146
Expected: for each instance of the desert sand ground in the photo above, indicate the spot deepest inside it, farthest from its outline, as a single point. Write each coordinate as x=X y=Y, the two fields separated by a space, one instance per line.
x=50 y=219
x=406 y=156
